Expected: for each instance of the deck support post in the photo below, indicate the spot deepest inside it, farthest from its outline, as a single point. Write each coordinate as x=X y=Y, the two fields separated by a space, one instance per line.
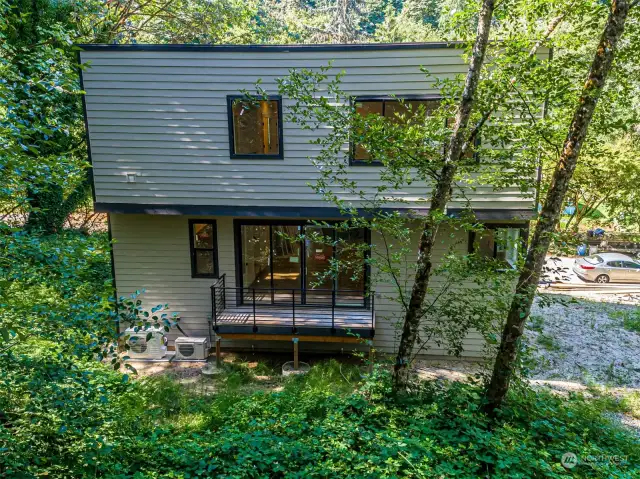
x=295 y=354
x=371 y=355
x=218 y=353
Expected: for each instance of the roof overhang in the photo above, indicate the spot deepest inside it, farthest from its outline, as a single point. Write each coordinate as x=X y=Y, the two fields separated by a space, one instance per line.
x=339 y=47
x=313 y=212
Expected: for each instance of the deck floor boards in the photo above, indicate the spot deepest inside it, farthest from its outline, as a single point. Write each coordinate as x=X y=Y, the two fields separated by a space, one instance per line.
x=351 y=318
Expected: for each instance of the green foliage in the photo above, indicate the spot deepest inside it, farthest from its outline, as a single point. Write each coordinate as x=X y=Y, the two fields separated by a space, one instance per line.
x=630 y=319
x=607 y=181
x=631 y=404
x=536 y=323
x=56 y=288
x=64 y=414
x=548 y=342
x=97 y=422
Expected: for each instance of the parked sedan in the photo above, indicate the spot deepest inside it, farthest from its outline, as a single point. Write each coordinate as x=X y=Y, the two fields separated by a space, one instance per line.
x=608 y=267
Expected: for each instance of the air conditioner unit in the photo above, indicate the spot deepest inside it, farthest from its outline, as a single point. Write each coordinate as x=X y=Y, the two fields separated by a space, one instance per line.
x=196 y=349
x=140 y=348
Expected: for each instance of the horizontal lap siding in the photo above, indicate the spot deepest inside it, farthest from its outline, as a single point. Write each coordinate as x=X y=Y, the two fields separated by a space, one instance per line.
x=152 y=252
x=389 y=315
x=163 y=116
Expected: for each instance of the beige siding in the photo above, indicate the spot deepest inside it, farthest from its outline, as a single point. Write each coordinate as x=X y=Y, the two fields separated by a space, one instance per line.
x=152 y=252
x=389 y=316
x=162 y=115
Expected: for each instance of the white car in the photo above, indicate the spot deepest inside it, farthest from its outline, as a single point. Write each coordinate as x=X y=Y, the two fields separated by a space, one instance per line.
x=608 y=268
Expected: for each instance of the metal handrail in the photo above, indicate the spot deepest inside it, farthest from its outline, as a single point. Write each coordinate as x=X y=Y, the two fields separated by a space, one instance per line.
x=219 y=300
x=293 y=308
x=314 y=290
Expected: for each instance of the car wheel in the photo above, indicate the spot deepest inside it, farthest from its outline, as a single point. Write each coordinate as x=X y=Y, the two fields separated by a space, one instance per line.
x=602 y=279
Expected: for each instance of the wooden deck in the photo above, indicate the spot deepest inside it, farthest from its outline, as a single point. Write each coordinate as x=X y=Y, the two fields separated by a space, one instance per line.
x=309 y=319
x=331 y=313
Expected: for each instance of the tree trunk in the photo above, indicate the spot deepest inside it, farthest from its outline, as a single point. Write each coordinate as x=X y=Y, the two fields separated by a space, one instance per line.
x=439 y=200
x=550 y=214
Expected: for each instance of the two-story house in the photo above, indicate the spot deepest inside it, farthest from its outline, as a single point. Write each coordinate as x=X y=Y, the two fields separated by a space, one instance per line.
x=199 y=186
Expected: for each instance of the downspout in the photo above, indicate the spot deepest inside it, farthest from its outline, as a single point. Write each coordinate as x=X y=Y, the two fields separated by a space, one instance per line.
x=113 y=276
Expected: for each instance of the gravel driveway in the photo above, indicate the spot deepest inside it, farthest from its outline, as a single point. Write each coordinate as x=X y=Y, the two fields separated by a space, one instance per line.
x=584 y=341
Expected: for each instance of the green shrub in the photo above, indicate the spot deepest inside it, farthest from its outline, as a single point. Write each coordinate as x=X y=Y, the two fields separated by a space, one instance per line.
x=89 y=421
x=630 y=319
x=631 y=322
x=56 y=288
x=548 y=342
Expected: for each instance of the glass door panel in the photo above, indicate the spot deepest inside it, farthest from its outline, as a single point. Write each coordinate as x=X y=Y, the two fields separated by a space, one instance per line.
x=287 y=261
x=274 y=262
x=256 y=271
x=350 y=281
x=319 y=252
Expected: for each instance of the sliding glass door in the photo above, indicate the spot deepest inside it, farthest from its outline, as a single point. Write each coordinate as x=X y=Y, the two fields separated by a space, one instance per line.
x=287 y=261
x=274 y=257
x=350 y=280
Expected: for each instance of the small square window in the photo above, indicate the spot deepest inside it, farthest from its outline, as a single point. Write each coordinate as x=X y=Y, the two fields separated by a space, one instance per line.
x=498 y=243
x=204 y=248
x=255 y=127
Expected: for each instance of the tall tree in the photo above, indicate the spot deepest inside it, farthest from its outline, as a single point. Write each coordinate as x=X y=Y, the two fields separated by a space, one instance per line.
x=531 y=270
x=605 y=184
x=458 y=142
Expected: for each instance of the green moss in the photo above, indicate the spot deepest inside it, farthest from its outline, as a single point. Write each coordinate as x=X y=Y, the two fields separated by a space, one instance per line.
x=548 y=342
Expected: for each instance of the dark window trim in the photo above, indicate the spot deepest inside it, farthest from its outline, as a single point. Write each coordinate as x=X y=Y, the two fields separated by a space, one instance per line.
x=523 y=227
x=237 y=239
x=232 y=154
x=193 y=249
x=383 y=98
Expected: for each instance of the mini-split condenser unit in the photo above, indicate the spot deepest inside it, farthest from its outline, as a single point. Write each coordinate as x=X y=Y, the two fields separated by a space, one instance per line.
x=191 y=349
x=155 y=347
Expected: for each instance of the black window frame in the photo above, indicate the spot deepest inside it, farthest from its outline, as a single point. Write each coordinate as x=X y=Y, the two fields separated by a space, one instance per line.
x=243 y=156
x=238 y=223
x=193 y=249
x=383 y=98
x=523 y=235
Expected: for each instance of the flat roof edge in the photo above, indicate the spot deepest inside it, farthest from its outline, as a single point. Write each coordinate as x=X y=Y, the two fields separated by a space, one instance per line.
x=191 y=47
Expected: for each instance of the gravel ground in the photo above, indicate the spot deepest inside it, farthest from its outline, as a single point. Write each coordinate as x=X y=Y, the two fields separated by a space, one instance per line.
x=584 y=341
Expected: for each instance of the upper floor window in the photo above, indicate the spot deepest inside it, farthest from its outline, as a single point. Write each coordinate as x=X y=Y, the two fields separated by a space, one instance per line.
x=255 y=127
x=398 y=111
x=204 y=248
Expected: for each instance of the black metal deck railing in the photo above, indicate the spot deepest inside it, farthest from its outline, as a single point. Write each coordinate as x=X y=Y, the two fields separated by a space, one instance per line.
x=291 y=310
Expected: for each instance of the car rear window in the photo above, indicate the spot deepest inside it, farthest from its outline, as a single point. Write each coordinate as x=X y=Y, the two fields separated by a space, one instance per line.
x=594 y=259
